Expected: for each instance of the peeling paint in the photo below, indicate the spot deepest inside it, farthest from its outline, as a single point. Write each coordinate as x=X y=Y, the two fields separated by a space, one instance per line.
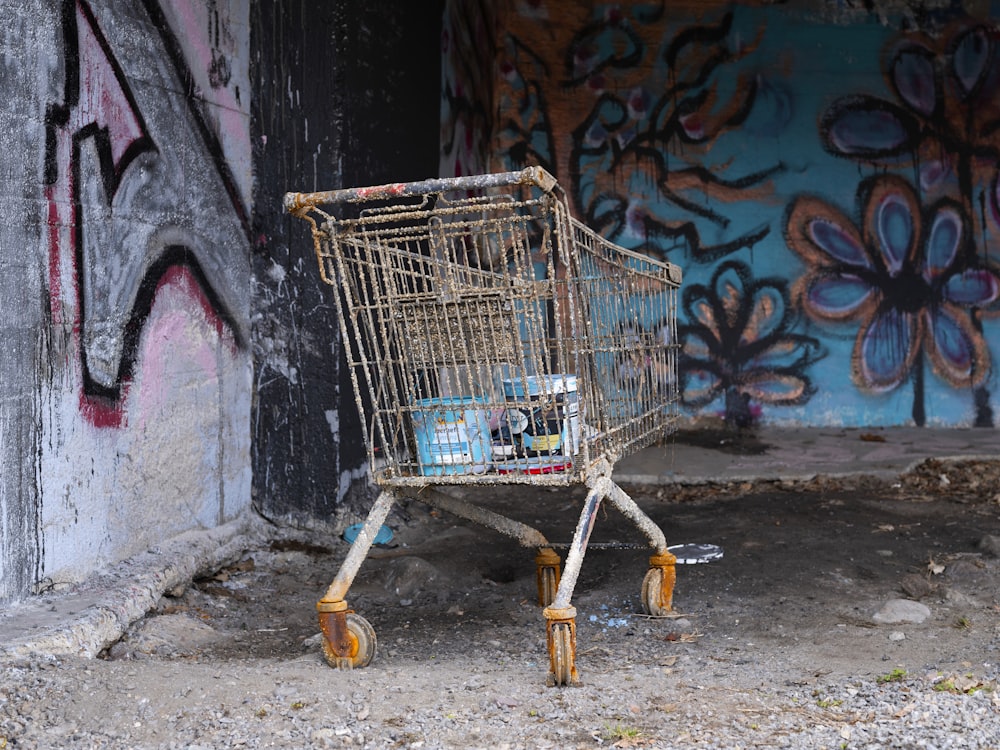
x=330 y=135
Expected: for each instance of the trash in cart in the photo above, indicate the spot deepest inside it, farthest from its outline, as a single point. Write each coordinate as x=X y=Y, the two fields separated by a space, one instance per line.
x=452 y=435
x=494 y=339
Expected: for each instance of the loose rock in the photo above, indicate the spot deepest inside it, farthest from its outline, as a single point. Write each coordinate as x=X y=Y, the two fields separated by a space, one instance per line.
x=990 y=544
x=901 y=610
x=916 y=586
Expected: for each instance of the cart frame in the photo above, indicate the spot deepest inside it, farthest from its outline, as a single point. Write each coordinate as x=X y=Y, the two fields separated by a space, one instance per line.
x=486 y=285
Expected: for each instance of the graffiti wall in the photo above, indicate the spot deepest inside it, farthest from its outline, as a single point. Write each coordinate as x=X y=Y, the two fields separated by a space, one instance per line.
x=825 y=173
x=128 y=191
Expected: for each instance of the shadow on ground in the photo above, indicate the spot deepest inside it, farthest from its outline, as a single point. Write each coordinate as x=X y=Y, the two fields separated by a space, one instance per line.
x=806 y=569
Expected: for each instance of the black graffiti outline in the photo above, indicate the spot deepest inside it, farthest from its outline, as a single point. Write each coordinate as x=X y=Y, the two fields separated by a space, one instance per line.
x=651 y=144
x=727 y=359
x=615 y=21
x=172 y=256
x=521 y=151
x=205 y=131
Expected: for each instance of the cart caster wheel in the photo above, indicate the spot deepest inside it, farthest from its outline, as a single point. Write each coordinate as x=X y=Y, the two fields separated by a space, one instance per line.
x=362 y=639
x=547 y=565
x=657 y=598
x=562 y=655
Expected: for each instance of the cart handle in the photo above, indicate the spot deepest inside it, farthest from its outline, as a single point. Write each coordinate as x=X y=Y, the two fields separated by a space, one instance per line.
x=298 y=203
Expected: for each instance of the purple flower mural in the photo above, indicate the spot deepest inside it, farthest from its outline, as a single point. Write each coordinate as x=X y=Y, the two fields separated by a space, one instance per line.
x=943 y=126
x=738 y=346
x=944 y=121
x=904 y=277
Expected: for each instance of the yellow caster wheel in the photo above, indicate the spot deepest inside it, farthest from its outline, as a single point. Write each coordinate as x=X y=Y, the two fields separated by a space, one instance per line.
x=562 y=655
x=654 y=602
x=361 y=645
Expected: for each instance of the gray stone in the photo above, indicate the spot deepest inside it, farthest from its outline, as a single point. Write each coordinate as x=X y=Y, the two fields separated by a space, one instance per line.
x=960 y=599
x=901 y=610
x=990 y=544
x=916 y=586
x=962 y=570
x=173 y=634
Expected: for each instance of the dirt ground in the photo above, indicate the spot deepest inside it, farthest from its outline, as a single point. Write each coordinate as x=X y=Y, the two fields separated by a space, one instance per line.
x=802 y=562
x=785 y=618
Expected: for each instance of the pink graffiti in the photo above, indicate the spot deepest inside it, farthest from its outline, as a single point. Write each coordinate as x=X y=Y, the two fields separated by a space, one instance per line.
x=99 y=116
x=182 y=331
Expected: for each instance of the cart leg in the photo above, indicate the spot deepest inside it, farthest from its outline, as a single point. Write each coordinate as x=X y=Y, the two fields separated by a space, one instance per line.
x=547 y=564
x=658 y=585
x=560 y=615
x=348 y=640
x=525 y=535
x=578 y=547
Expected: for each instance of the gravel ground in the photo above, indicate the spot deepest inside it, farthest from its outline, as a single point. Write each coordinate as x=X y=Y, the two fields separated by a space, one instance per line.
x=67 y=704
x=776 y=646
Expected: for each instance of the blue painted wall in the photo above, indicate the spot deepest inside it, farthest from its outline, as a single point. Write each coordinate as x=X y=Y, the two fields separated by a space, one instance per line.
x=826 y=176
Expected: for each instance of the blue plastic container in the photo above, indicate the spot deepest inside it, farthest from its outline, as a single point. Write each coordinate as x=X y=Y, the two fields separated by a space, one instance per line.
x=452 y=435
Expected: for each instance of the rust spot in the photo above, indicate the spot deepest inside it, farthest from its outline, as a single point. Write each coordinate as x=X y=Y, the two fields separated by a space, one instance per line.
x=334 y=628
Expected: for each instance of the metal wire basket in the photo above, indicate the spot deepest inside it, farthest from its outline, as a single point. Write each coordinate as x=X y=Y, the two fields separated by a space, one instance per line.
x=494 y=339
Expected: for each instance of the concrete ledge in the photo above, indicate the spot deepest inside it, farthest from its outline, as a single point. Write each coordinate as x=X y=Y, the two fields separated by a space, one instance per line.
x=88 y=617
x=802 y=454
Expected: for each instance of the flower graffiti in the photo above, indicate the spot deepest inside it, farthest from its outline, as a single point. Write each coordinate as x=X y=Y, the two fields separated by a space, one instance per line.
x=642 y=158
x=738 y=345
x=903 y=276
x=629 y=116
x=945 y=121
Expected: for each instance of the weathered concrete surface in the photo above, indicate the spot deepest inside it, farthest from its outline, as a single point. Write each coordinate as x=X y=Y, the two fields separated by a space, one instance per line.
x=85 y=619
x=776 y=453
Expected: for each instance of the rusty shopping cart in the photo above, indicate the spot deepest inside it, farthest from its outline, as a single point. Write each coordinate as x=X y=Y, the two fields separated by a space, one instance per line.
x=494 y=339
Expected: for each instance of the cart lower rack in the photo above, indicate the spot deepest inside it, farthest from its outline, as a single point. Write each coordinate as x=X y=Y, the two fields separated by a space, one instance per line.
x=493 y=339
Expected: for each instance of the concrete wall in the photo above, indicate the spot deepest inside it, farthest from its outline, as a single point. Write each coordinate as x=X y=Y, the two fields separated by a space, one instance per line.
x=351 y=102
x=168 y=354
x=825 y=174
x=125 y=198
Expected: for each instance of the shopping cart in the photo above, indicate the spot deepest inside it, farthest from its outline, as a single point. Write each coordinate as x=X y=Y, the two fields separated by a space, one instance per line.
x=493 y=339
